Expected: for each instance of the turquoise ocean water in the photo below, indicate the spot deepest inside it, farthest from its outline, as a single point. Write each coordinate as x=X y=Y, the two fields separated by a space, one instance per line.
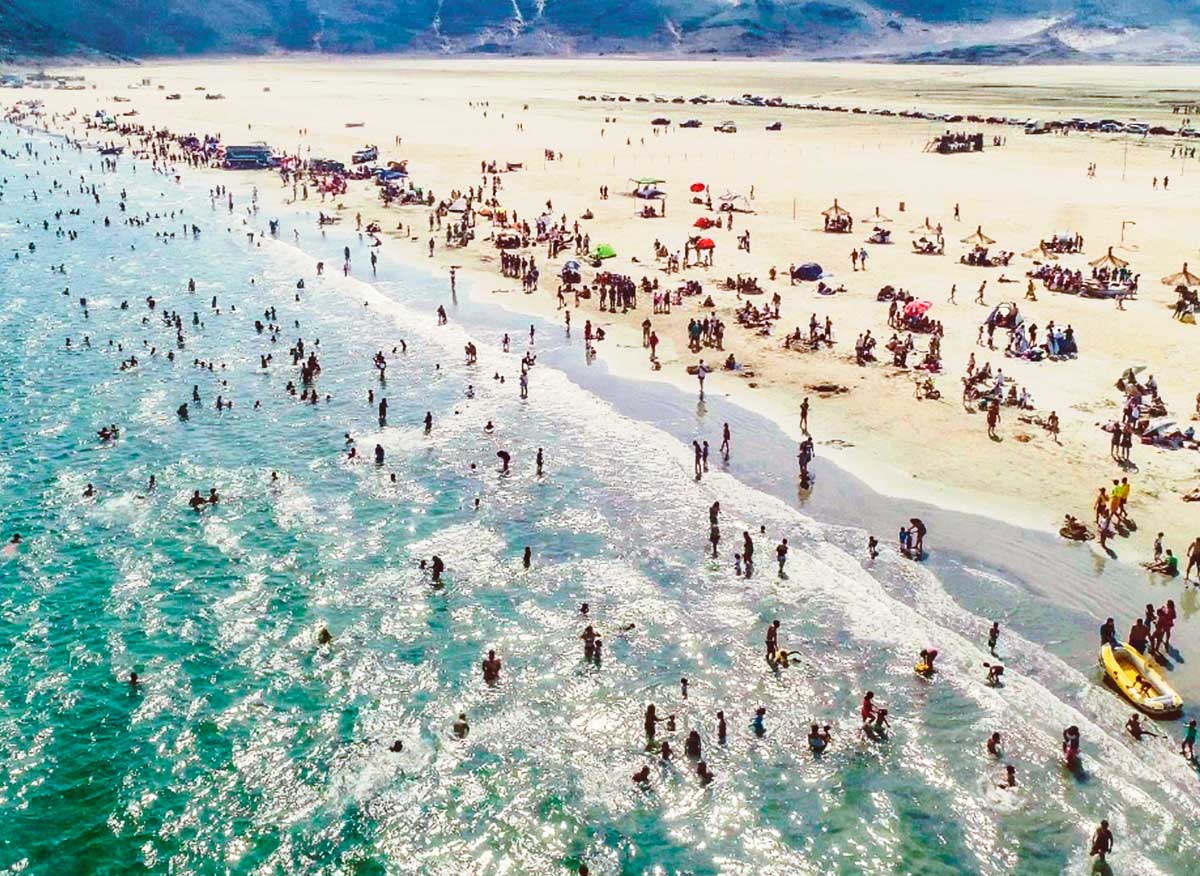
x=250 y=748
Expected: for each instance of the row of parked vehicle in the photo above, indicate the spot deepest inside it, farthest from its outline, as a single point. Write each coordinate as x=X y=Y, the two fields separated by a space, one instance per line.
x=1030 y=126
x=723 y=127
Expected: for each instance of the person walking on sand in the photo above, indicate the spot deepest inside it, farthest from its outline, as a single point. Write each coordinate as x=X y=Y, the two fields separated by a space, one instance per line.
x=979 y=295
x=701 y=373
x=993 y=419
x=804 y=415
x=854 y=258
x=953 y=289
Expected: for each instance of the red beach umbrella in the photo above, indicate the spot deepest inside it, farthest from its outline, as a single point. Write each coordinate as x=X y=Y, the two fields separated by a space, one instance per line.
x=703 y=222
x=705 y=243
x=697 y=187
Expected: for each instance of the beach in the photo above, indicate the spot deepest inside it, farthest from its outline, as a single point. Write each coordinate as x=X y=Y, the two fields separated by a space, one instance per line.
x=1020 y=193
x=288 y=635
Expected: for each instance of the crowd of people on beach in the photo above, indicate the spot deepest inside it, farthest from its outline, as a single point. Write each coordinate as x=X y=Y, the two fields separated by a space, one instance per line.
x=984 y=390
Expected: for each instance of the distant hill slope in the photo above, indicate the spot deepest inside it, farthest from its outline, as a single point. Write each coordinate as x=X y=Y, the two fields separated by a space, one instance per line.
x=967 y=31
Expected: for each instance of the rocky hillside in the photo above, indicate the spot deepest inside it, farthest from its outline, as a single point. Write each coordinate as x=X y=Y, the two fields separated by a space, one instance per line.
x=962 y=31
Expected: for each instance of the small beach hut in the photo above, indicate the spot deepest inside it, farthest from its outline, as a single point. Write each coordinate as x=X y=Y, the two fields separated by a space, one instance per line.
x=838 y=219
x=1110 y=261
x=978 y=238
x=1183 y=278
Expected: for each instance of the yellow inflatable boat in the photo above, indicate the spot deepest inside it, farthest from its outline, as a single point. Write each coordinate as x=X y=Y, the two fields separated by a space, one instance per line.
x=1140 y=680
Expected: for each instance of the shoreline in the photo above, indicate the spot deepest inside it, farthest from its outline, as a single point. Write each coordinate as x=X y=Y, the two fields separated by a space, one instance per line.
x=894 y=463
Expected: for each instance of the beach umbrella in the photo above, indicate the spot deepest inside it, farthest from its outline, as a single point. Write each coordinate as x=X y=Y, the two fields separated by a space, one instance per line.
x=978 y=238
x=705 y=243
x=571 y=265
x=703 y=222
x=1183 y=278
x=1108 y=260
x=604 y=251
x=835 y=211
x=877 y=217
x=459 y=206
x=917 y=308
x=697 y=187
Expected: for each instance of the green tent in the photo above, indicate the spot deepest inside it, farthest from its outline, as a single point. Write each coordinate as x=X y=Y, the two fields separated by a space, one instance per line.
x=648 y=181
x=603 y=251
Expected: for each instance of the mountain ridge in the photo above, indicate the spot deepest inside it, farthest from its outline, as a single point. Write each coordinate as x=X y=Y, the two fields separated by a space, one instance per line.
x=926 y=31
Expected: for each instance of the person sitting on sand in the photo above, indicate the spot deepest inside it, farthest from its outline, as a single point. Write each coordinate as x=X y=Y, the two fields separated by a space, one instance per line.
x=1074 y=529
x=1168 y=565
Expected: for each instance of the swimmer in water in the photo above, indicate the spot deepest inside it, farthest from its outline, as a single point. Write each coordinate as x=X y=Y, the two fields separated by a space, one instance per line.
x=993 y=745
x=397 y=746
x=642 y=776
x=650 y=721
x=491 y=668
x=757 y=722
x=818 y=740
x=867 y=711
x=925 y=664
x=461 y=728
x=1010 y=778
